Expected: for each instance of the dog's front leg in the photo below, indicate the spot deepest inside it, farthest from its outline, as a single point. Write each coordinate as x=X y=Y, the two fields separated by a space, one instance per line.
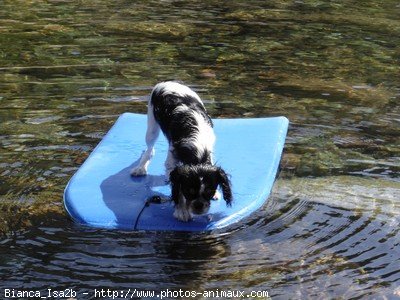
x=170 y=163
x=181 y=212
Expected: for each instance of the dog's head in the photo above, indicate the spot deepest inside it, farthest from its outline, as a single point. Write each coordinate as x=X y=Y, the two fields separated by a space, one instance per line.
x=198 y=185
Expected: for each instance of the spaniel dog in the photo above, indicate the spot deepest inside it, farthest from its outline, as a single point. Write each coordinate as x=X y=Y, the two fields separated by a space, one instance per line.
x=179 y=112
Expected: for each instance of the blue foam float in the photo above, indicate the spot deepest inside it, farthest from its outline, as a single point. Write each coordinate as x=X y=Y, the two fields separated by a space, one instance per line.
x=103 y=194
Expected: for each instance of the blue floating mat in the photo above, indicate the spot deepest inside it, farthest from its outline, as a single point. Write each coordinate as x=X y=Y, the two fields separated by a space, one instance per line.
x=103 y=194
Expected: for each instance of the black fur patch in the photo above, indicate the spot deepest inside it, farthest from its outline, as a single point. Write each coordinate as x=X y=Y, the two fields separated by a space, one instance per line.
x=178 y=125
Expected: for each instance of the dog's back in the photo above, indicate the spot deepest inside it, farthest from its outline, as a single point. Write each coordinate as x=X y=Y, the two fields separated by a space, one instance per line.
x=175 y=107
x=184 y=121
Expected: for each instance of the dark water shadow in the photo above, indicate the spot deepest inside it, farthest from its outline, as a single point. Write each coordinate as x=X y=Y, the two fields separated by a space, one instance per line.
x=126 y=196
x=190 y=259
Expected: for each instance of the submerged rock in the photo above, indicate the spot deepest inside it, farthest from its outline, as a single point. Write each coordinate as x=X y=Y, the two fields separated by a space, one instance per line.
x=348 y=192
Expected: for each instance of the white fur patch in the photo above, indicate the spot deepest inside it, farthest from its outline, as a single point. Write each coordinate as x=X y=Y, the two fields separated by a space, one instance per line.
x=202 y=186
x=181 y=212
x=171 y=87
x=181 y=108
x=205 y=138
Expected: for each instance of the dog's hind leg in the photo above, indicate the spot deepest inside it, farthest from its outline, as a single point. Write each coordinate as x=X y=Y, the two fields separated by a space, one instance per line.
x=153 y=130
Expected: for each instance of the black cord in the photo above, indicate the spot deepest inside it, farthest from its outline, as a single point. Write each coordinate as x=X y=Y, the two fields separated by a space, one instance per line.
x=153 y=199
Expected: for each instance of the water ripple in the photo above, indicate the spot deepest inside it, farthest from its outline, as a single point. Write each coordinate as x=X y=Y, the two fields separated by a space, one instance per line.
x=65 y=77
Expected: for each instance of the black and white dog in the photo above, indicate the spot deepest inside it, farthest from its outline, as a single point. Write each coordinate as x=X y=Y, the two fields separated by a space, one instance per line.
x=183 y=119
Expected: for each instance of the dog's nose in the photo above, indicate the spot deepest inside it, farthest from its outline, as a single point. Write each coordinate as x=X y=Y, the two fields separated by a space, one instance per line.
x=198 y=205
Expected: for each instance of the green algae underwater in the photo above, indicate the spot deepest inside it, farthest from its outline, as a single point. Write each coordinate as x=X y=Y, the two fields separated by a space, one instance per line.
x=69 y=68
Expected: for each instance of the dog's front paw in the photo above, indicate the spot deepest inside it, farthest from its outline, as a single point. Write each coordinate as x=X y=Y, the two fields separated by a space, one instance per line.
x=182 y=214
x=139 y=171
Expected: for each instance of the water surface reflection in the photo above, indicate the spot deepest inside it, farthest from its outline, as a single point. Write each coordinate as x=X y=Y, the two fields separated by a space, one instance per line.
x=68 y=69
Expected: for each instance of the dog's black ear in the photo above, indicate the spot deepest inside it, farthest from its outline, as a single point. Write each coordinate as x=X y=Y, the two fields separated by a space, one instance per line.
x=174 y=178
x=225 y=184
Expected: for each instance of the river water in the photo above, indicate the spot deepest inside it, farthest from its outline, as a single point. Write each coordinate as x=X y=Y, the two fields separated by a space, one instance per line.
x=330 y=229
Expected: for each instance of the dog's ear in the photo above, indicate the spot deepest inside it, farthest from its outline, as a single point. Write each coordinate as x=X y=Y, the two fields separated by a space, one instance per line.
x=174 y=178
x=225 y=184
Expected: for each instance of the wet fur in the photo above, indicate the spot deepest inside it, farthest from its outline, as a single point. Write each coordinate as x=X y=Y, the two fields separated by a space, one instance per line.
x=179 y=113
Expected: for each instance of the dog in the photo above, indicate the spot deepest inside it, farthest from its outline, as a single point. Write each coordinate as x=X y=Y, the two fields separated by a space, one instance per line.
x=194 y=178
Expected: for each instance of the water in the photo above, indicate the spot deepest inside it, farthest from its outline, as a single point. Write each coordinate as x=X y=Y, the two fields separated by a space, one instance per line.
x=330 y=229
